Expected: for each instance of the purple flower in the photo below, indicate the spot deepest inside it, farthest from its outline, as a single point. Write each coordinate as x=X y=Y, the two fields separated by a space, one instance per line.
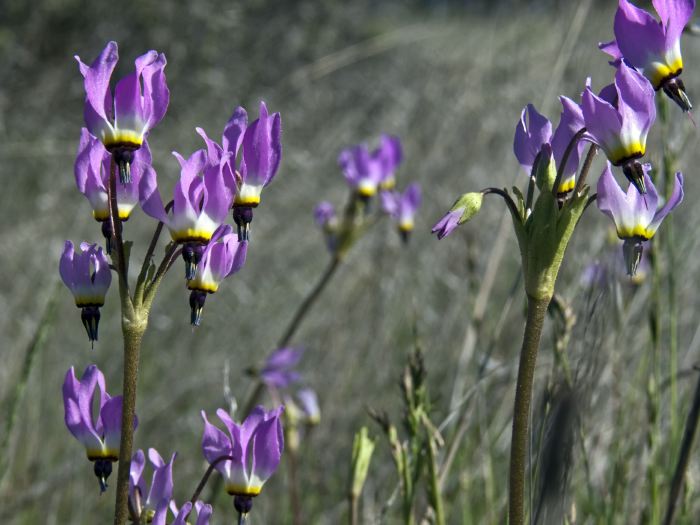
x=255 y=445
x=653 y=46
x=204 y=512
x=636 y=216
x=224 y=255
x=100 y=437
x=362 y=170
x=140 y=100
x=533 y=137
x=88 y=276
x=143 y=499
x=389 y=154
x=466 y=207
x=403 y=207
x=201 y=201
x=250 y=172
x=308 y=401
x=279 y=371
x=324 y=214
x=620 y=127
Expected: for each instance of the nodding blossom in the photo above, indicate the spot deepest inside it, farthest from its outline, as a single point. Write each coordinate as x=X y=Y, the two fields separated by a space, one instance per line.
x=403 y=207
x=308 y=402
x=255 y=445
x=87 y=275
x=201 y=201
x=362 y=170
x=92 y=171
x=389 y=154
x=122 y=121
x=636 y=217
x=144 y=499
x=534 y=138
x=224 y=255
x=619 y=120
x=101 y=436
x=653 y=46
x=280 y=368
x=204 y=512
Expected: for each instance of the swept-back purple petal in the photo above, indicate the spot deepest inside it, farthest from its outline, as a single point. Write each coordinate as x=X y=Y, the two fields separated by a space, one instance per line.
x=234 y=130
x=674 y=200
x=97 y=80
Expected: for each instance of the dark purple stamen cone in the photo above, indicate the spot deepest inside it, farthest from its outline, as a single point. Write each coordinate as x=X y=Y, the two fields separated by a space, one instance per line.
x=675 y=89
x=90 y=316
x=123 y=157
x=197 y=299
x=632 y=250
x=103 y=469
x=635 y=174
x=109 y=235
x=192 y=254
x=243 y=505
x=243 y=216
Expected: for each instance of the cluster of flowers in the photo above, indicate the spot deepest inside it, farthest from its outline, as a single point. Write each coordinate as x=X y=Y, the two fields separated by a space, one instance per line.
x=646 y=55
x=246 y=457
x=367 y=173
x=213 y=180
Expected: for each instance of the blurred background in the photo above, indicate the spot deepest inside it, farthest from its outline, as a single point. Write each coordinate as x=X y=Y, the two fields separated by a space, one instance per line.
x=450 y=79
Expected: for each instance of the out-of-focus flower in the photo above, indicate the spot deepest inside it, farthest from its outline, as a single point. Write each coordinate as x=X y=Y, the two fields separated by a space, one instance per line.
x=143 y=499
x=100 y=437
x=653 y=47
x=140 y=100
x=279 y=370
x=327 y=219
x=88 y=276
x=466 y=207
x=308 y=402
x=223 y=256
x=389 y=154
x=403 y=207
x=636 y=216
x=204 y=512
x=92 y=166
x=534 y=138
x=250 y=172
x=621 y=126
x=362 y=171
x=256 y=447
x=201 y=201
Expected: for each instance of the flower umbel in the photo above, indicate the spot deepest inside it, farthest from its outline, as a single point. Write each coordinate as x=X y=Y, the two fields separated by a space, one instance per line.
x=123 y=120
x=87 y=275
x=255 y=445
x=636 y=216
x=102 y=436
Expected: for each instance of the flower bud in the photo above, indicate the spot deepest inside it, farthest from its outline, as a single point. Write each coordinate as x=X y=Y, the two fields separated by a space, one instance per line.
x=362 y=449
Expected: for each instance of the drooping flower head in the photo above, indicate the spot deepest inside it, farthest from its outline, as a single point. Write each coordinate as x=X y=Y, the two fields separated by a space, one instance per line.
x=224 y=255
x=255 y=445
x=464 y=208
x=88 y=276
x=91 y=169
x=653 y=47
x=636 y=216
x=101 y=436
x=362 y=170
x=122 y=121
x=255 y=165
x=280 y=368
x=620 y=126
x=144 y=499
x=389 y=154
x=534 y=139
x=201 y=201
x=204 y=512
x=402 y=207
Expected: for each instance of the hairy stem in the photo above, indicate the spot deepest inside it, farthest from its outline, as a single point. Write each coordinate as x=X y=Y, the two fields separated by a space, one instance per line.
x=115 y=223
x=133 y=334
x=536 y=310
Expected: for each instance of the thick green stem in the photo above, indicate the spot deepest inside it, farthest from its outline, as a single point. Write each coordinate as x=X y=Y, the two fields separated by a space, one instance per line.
x=133 y=330
x=536 y=310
